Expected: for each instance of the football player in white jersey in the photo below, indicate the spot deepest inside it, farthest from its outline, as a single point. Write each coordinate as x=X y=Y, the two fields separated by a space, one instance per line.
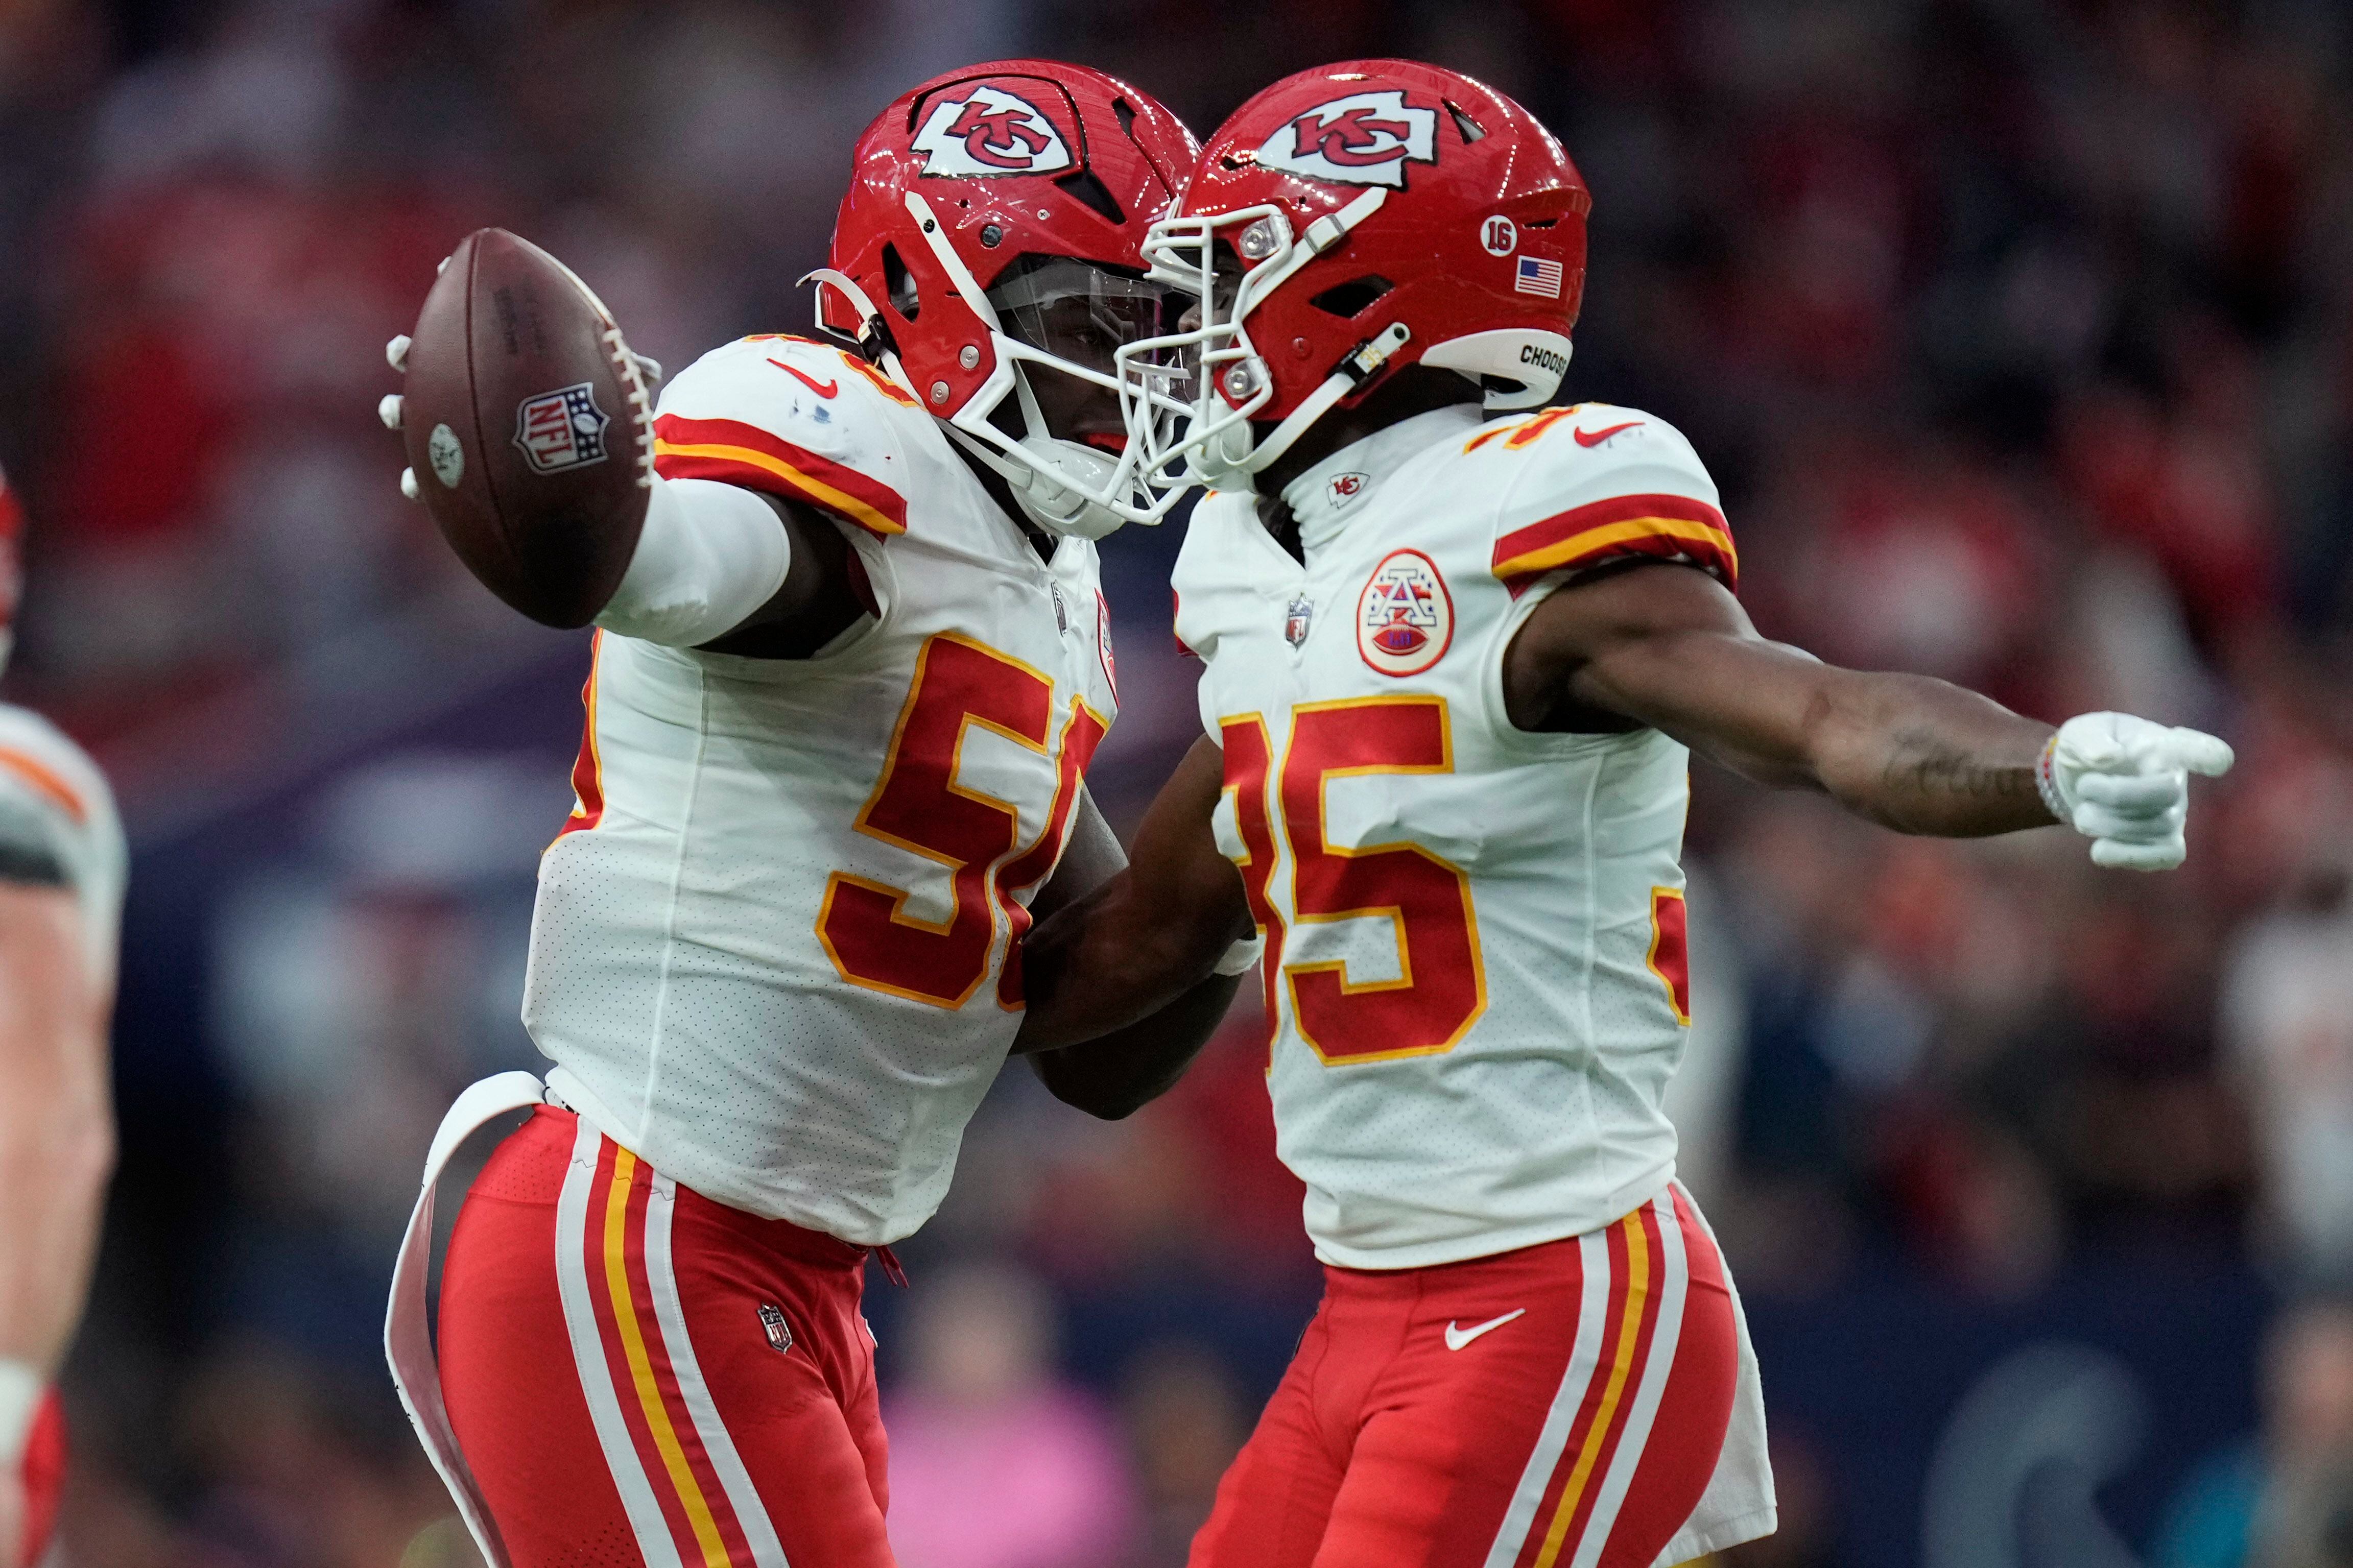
x=839 y=717
x=61 y=869
x=1454 y=660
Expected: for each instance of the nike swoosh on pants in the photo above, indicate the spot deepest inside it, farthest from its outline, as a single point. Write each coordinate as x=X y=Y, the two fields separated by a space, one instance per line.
x=1457 y=1337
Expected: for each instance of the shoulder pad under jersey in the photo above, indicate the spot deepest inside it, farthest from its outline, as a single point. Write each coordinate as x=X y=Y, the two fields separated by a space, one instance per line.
x=1593 y=483
x=58 y=824
x=794 y=417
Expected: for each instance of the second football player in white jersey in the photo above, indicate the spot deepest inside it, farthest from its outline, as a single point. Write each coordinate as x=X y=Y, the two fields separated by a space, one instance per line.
x=1454 y=660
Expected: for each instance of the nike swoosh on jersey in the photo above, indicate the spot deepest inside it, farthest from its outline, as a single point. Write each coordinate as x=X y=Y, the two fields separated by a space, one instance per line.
x=822 y=388
x=1457 y=1337
x=1594 y=437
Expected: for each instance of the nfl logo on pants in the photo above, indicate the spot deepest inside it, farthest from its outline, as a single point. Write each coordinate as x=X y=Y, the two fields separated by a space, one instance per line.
x=562 y=429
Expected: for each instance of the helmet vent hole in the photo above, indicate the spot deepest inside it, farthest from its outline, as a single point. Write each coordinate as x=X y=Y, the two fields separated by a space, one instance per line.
x=1089 y=192
x=1353 y=298
x=1126 y=112
x=1465 y=127
x=1538 y=222
x=899 y=284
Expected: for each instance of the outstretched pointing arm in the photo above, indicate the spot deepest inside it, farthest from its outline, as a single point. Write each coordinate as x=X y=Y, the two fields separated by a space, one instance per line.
x=1671 y=647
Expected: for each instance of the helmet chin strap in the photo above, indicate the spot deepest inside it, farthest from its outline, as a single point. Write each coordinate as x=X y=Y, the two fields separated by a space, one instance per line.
x=1351 y=372
x=1058 y=509
x=870 y=337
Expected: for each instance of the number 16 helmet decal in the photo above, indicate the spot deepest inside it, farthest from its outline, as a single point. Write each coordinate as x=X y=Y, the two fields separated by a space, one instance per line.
x=1347 y=221
x=993 y=233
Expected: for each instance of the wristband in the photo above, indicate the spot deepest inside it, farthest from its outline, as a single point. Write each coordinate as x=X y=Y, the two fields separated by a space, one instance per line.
x=2046 y=780
x=21 y=1387
x=1241 y=955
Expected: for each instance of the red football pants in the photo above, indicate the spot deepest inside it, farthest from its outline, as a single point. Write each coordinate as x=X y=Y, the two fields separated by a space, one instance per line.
x=1563 y=1404
x=639 y=1375
x=43 y=1470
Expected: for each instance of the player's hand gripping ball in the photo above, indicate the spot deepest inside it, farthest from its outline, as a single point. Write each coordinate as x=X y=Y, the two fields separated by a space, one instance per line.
x=529 y=427
x=2123 y=784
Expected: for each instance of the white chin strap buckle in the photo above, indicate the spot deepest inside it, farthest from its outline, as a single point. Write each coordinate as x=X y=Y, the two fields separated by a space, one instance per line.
x=1067 y=509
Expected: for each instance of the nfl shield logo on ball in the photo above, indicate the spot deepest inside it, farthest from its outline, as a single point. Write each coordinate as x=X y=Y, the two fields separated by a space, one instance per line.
x=562 y=429
x=1405 y=618
x=1295 y=619
x=780 y=1333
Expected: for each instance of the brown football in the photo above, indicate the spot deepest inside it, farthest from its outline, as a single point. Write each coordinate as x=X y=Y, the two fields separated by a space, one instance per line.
x=529 y=428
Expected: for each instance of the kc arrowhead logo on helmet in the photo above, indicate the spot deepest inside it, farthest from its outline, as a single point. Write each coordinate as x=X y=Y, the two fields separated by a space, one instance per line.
x=990 y=132
x=1364 y=139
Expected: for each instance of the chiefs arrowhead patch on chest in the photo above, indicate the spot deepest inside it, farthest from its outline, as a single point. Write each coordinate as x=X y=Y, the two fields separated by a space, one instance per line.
x=1404 y=616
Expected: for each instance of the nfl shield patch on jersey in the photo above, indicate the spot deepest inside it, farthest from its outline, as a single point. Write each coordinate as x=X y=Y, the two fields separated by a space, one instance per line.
x=1404 y=616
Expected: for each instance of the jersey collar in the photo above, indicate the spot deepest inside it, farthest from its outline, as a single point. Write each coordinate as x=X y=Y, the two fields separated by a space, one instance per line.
x=1327 y=496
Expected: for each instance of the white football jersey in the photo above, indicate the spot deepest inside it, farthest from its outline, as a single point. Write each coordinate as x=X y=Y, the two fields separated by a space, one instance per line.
x=57 y=826
x=769 y=954
x=1475 y=959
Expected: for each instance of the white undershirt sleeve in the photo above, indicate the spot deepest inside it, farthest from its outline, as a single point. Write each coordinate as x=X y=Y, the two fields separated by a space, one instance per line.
x=711 y=553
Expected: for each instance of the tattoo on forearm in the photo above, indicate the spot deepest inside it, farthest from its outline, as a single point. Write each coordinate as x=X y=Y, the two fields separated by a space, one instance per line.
x=1941 y=771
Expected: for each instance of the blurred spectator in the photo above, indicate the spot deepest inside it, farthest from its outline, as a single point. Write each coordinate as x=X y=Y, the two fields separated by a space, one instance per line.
x=292 y=1465
x=2287 y=1010
x=995 y=1463
x=1186 y=1421
x=2287 y=1500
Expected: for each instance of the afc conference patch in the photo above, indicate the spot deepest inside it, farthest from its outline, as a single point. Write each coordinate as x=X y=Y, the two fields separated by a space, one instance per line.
x=1537 y=276
x=1404 y=616
x=562 y=429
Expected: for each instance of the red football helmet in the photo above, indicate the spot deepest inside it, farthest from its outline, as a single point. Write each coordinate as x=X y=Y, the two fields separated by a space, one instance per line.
x=995 y=220
x=12 y=574
x=1372 y=213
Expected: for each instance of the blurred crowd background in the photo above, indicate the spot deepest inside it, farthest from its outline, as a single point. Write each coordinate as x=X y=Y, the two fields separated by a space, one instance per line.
x=2018 y=334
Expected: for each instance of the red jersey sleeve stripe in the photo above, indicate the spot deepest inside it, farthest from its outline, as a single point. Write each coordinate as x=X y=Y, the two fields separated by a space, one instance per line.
x=745 y=455
x=1661 y=525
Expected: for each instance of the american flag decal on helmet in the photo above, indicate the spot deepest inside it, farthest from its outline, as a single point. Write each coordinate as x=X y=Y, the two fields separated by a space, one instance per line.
x=1537 y=276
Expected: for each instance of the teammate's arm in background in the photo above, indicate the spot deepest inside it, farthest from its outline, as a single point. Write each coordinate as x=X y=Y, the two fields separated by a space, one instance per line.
x=56 y=1151
x=1670 y=648
x=1130 y=967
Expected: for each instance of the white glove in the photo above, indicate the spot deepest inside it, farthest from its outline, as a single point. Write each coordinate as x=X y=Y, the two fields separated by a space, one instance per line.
x=2123 y=784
